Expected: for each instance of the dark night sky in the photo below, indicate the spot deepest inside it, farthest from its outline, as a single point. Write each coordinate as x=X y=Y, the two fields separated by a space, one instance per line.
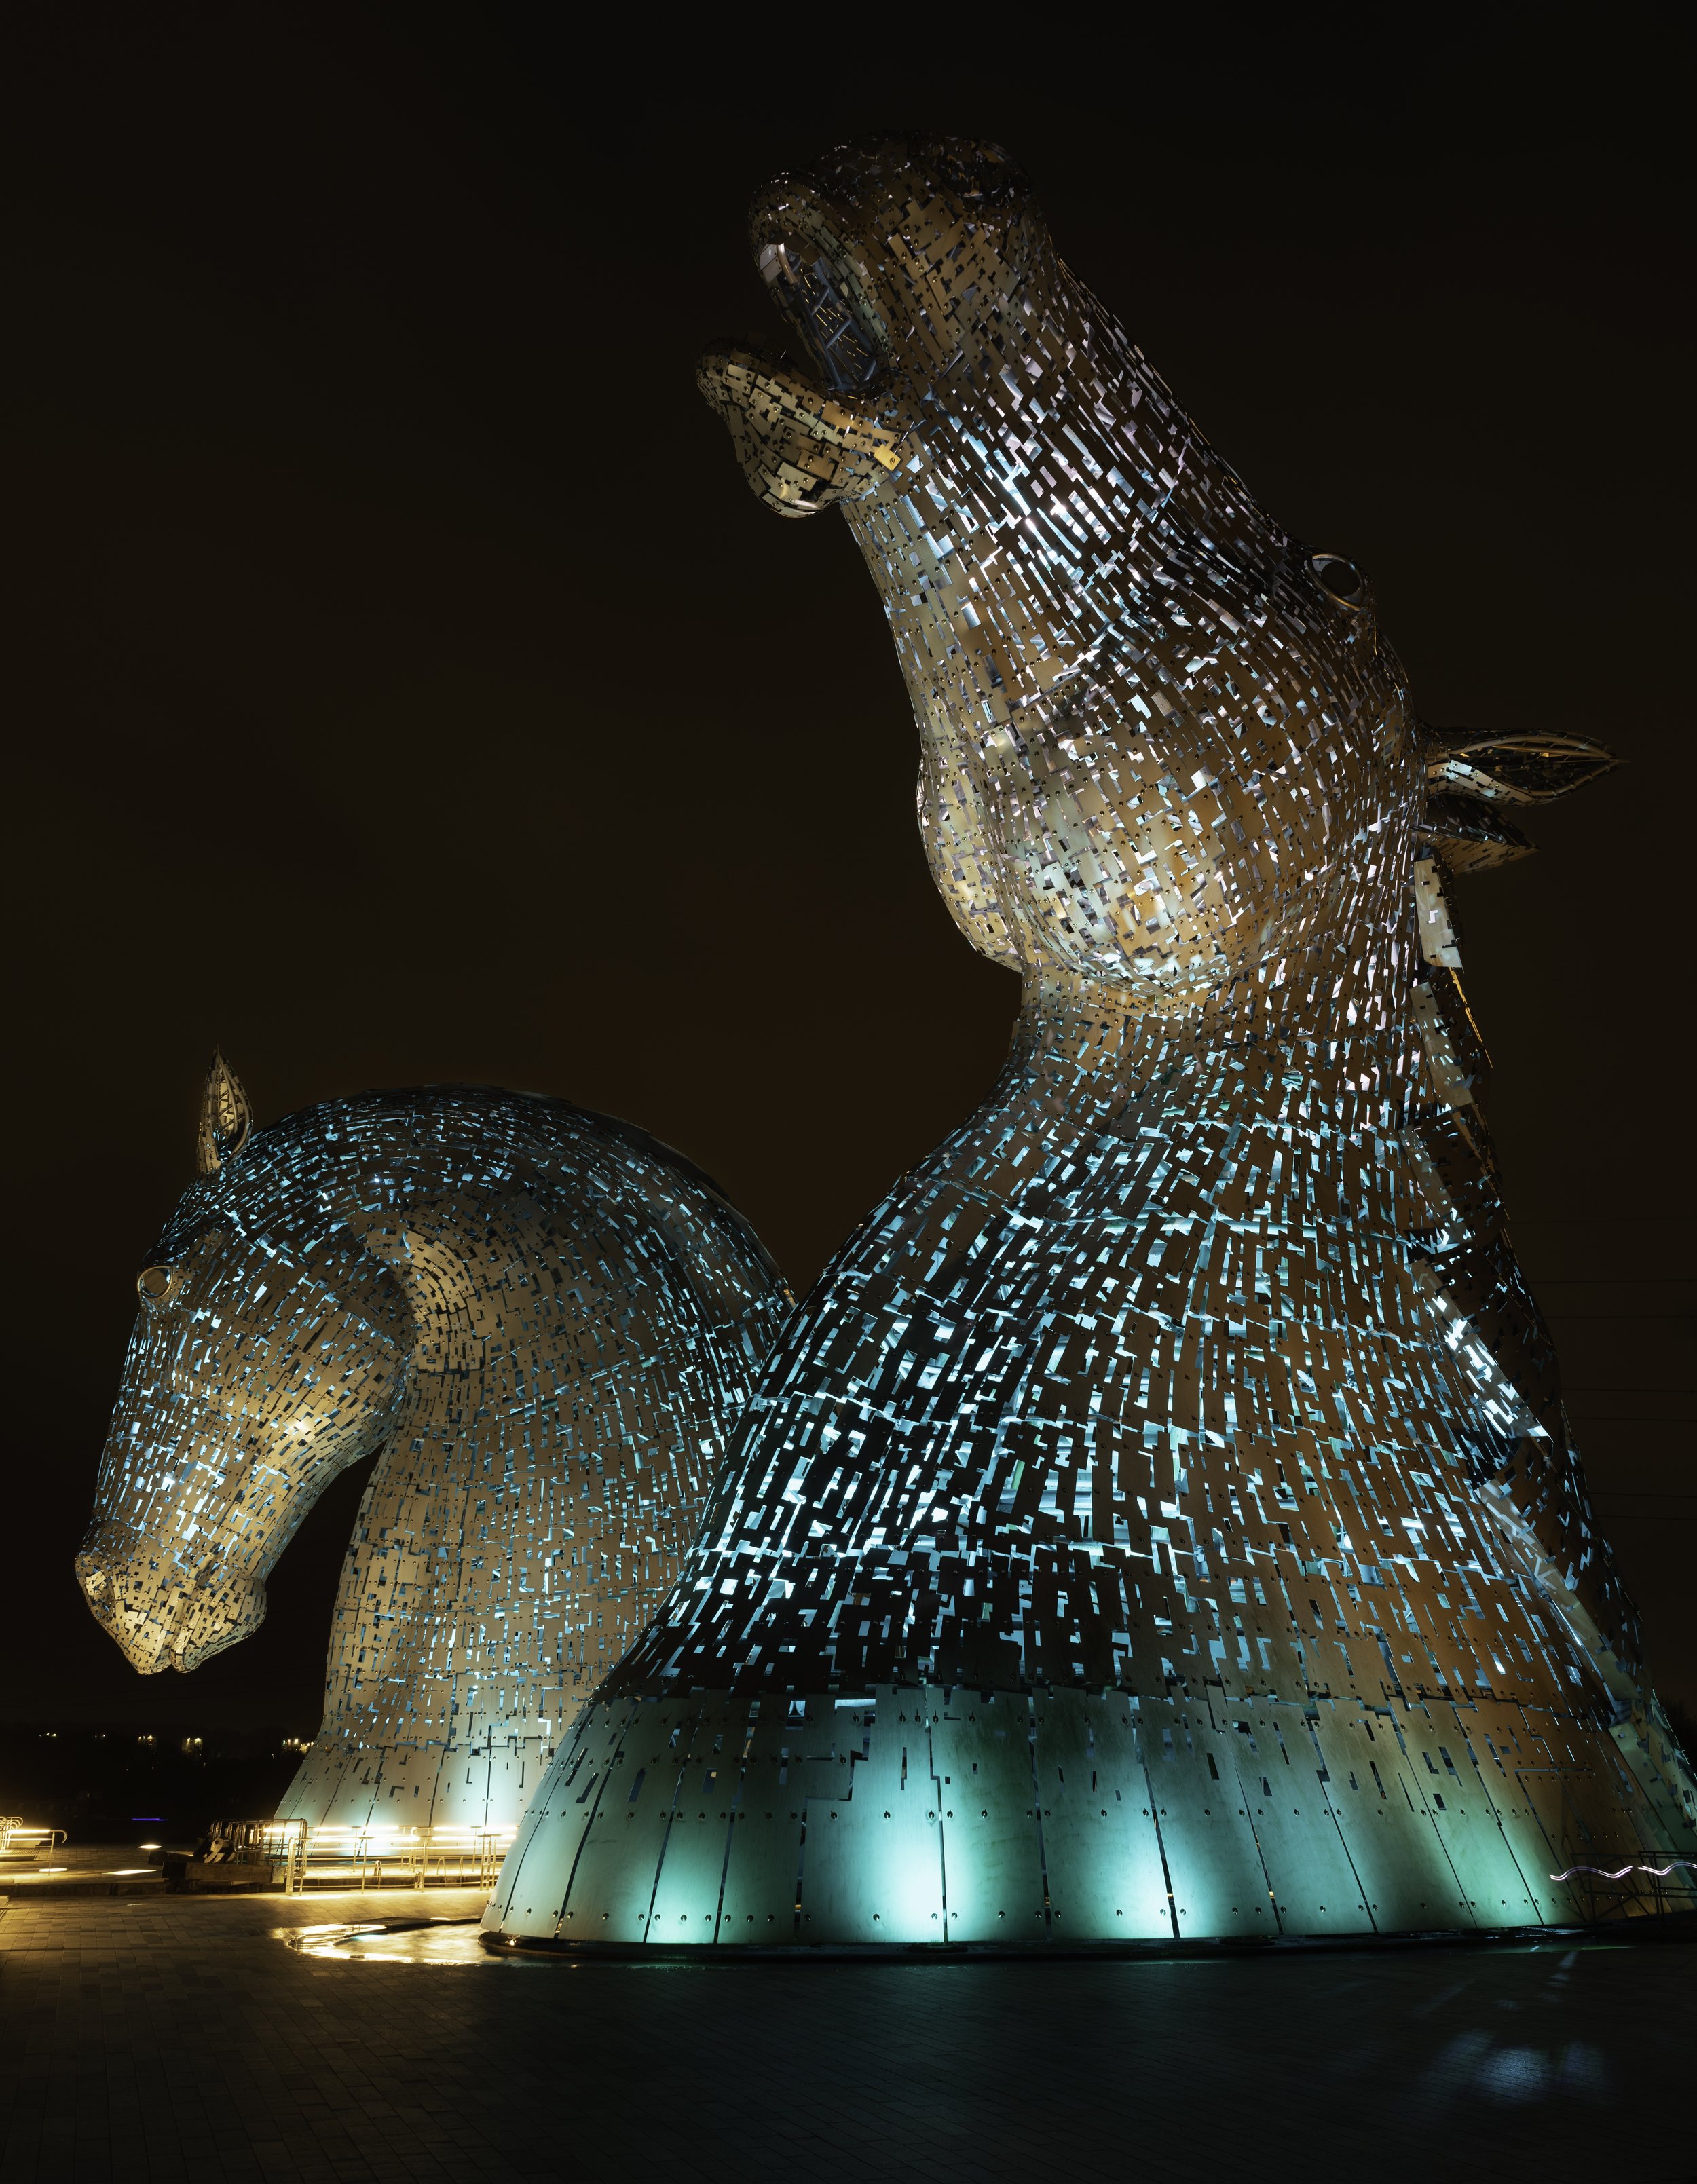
x=406 y=687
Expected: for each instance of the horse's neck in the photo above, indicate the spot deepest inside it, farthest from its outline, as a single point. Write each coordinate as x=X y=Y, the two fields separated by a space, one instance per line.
x=429 y=1566
x=448 y=1428
x=964 y=531
x=1182 y=1101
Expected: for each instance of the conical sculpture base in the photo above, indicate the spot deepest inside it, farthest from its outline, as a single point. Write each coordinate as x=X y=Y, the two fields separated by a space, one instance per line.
x=1160 y=1523
x=914 y=1816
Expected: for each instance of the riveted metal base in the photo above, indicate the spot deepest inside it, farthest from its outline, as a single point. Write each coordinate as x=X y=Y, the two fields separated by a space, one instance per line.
x=915 y=1817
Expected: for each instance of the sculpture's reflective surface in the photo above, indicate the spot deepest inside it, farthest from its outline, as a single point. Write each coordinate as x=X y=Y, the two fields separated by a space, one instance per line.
x=1161 y=1519
x=545 y=1320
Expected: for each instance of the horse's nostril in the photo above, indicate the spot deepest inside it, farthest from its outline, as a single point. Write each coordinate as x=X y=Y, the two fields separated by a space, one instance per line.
x=154 y=1283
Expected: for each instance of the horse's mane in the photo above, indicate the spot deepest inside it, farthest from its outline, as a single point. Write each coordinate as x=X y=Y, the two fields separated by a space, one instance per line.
x=416 y=1132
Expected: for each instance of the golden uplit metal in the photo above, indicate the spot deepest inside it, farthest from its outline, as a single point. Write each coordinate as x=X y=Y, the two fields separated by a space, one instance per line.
x=1161 y=1520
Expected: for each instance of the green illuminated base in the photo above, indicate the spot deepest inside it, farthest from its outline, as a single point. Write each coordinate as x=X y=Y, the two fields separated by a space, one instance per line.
x=915 y=1815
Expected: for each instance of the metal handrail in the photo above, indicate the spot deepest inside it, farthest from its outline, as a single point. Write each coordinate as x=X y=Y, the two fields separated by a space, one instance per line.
x=13 y=1829
x=371 y=1856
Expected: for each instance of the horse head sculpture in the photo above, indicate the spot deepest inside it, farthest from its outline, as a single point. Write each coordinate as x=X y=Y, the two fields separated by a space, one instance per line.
x=1159 y=1519
x=264 y=1360
x=1171 y=769
x=544 y=1320
x=1166 y=750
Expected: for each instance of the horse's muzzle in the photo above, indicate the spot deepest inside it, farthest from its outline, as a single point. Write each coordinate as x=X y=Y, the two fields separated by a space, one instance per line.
x=160 y=1615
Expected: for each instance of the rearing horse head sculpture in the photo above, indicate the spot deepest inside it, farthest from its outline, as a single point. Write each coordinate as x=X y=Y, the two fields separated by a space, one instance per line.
x=1166 y=750
x=1166 y=1489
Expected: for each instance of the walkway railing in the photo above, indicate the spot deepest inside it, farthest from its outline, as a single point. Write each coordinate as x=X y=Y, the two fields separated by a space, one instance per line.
x=21 y=1838
x=296 y=1856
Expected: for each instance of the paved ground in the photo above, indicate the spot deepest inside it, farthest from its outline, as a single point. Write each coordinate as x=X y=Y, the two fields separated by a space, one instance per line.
x=96 y=1868
x=176 y=2037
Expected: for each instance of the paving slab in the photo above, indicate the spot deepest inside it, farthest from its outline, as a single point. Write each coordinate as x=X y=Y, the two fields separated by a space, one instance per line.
x=180 y=2038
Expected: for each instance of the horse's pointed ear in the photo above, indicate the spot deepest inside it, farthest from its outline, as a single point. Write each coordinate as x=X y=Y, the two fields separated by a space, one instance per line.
x=1511 y=769
x=1469 y=835
x=226 y=1116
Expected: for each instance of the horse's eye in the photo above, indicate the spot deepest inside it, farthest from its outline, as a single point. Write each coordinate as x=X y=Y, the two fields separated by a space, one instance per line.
x=1341 y=578
x=154 y=1282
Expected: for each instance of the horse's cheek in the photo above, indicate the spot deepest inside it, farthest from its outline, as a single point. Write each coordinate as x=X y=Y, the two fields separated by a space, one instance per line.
x=1119 y=893
x=318 y=1400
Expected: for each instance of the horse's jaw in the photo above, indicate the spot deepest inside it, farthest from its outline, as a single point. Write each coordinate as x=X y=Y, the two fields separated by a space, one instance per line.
x=178 y=1625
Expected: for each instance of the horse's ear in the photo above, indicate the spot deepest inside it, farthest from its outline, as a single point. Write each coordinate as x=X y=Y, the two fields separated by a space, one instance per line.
x=1511 y=769
x=226 y=1116
x=1470 y=836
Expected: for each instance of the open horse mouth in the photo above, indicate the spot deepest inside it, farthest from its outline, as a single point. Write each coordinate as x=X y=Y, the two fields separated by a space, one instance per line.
x=160 y=1621
x=856 y=288
x=808 y=428
x=816 y=301
x=805 y=438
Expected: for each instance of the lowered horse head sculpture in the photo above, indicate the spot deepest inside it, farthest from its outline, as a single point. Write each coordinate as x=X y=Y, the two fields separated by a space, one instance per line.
x=544 y=1320
x=1159 y=1520
x=268 y=1355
